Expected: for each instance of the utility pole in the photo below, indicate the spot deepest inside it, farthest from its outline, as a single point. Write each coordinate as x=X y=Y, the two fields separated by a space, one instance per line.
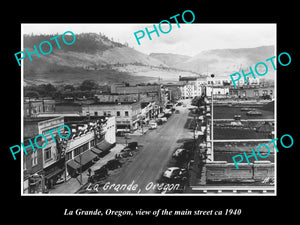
x=80 y=169
x=212 y=119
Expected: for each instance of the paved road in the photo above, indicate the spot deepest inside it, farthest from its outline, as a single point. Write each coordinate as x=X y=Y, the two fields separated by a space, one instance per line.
x=151 y=161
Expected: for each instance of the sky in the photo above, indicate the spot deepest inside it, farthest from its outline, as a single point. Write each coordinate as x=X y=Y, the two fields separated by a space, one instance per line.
x=189 y=39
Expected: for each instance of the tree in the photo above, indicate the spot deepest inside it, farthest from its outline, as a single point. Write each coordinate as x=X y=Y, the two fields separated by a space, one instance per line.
x=69 y=87
x=32 y=94
x=88 y=85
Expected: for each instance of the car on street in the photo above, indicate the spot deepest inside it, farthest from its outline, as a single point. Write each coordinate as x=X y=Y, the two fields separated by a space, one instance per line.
x=133 y=145
x=113 y=164
x=124 y=154
x=176 y=173
x=152 y=125
x=181 y=154
x=178 y=152
x=164 y=119
x=99 y=174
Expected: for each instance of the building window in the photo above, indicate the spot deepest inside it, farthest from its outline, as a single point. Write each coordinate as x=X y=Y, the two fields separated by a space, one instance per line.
x=96 y=113
x=47 y=154
x=76 y=151
x=256 y=93
x=118 y=113
x=69 y=155
x=265 y=92
x=81 y=149
x=126 y=113
x=34 y=158
x=93 y=143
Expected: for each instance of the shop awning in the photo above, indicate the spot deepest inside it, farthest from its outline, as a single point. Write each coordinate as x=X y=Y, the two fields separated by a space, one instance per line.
x=82 y=159
x=102 y=147
x=96 y=150
x=54 y=173
x=73 y=164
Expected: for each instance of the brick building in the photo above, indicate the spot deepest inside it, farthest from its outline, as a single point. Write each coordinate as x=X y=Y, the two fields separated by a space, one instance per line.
x=126 y=113
x=42 y=165
x=32 y=107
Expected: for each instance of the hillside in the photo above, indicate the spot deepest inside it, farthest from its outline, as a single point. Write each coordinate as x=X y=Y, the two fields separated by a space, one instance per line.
x=95 y=56
x=170 y=59
x=92 y=56
x=223 y=62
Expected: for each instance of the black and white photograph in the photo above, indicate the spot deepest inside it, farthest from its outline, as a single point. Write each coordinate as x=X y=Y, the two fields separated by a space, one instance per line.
x=143 y=109
x=133 y=113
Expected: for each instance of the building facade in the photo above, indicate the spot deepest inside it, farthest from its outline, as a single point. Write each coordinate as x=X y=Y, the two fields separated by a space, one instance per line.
x=87 y=142
x=254 y=92
x=32 y=107
x=45 y=164
x=126 y=113
x=192 y=86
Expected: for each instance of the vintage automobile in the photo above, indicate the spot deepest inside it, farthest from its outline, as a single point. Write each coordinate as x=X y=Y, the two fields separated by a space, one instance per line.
x=113 y=164
x=176 y=173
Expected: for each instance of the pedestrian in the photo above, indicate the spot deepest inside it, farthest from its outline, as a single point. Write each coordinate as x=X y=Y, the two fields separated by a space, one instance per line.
x=89 y=172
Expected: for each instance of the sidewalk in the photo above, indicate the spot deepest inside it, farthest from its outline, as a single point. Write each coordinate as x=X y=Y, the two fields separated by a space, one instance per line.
x=72 y=185
x=139 y=132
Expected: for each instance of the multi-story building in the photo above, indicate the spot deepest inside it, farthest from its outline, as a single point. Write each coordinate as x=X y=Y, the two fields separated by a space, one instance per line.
x=220 y=86
x=192 y=86
x=46 y=163
x=32 y=167
x=87 y=142
x=252 y=91
x=126 y=113
x=32 y=107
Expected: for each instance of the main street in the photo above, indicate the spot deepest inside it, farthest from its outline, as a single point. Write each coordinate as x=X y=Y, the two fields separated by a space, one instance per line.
x=157 y=148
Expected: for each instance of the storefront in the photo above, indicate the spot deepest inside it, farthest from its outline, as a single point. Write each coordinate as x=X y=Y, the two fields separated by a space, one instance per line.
x=54 y=173
x=36 y=184
x=80 y=163
x=102 y=148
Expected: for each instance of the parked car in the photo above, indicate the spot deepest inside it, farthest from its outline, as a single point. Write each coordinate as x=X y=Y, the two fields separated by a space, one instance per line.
x=181 y=154
x=176 y=173
x=159 y=121
x=124 y=154
x=178 y=152
x=164 y=119
x=99 y=174
x=133 y=145
x=152 y=125
x=113 y=164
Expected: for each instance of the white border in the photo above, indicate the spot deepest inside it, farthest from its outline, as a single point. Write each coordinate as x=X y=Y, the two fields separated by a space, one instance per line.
x=158 y=194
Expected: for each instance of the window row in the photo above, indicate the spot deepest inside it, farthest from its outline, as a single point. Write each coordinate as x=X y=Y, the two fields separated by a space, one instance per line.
x=108 y=113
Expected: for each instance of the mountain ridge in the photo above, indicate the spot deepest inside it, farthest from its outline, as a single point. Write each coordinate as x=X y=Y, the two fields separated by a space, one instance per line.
x=95 y=56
